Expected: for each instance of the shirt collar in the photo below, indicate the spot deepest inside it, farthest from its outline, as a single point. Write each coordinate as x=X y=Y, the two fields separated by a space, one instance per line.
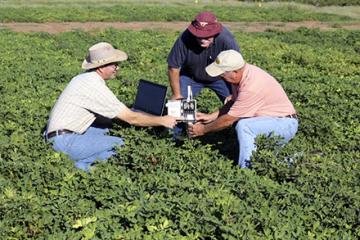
x=245 y=73
x=97 y=77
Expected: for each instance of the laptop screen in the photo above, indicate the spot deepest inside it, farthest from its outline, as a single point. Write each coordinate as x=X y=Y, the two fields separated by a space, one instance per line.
x=150 y=97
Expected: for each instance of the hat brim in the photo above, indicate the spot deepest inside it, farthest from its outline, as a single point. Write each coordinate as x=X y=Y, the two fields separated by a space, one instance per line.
x=205 y=32
x=118 y=56
x=213 y=70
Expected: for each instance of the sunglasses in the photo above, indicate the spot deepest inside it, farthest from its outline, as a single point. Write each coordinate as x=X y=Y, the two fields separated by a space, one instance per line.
x=114 y=65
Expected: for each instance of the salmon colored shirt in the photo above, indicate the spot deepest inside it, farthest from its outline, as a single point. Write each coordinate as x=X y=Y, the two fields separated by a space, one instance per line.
x=259 y=94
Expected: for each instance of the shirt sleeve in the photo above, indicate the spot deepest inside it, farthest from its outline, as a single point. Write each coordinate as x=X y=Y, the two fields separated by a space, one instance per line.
x=102 y=101
x=178 y=53
x=246 y=105
x=230 y=41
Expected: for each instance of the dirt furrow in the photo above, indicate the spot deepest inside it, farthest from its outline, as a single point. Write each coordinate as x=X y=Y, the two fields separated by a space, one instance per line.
x=58 y=27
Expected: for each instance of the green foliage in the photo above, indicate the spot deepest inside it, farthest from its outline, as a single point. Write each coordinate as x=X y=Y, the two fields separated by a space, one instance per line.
x=144 y=12
x=151 y=189
x=318 y=2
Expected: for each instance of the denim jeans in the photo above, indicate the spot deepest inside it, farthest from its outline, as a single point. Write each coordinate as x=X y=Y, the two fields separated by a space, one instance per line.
x=85 y=148
x=249 y=128
x=220 y=87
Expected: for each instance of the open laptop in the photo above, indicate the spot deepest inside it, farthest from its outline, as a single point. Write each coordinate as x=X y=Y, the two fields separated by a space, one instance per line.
x=150 y=97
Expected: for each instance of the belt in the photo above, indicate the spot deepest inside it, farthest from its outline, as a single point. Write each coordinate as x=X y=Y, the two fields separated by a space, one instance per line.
x=56 y=133
x=292 y=116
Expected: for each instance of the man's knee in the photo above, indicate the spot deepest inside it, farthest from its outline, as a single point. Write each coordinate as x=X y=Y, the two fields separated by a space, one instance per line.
x=241 y=126
x=118 y=141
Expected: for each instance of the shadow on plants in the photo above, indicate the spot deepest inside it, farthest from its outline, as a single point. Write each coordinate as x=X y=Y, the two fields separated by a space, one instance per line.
x=274 y=160
x=225 y=142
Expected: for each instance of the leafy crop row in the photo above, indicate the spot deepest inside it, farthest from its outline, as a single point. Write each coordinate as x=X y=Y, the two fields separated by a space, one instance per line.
x=153 y=190
x=126 y=13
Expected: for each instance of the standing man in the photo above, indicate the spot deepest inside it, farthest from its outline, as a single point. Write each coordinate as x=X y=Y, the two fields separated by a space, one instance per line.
x=196 y=48
x=259 y=105
x=72 y=128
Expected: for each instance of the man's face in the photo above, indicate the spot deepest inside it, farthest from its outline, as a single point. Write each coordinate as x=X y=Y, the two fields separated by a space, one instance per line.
x=110 y=70
x=231 y=77
x=205 y=42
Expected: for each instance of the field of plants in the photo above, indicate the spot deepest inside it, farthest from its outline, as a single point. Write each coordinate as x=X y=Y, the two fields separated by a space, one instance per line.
x=136 y=12
x=152 y=189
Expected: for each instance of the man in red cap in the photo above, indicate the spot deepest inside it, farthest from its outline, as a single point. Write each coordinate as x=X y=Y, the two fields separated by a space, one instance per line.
x=196 y=48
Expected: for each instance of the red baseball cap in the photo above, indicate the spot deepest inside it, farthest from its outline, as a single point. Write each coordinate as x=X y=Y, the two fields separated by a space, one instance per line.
x=205 y=25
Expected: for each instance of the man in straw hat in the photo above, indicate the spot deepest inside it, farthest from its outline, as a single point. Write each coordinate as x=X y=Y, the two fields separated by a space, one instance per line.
x=73 y=124
x=259 y=105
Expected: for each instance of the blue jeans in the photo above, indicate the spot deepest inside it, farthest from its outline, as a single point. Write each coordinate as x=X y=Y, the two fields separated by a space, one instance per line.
x=249 y=128
x=220 y=87
x=85 y=148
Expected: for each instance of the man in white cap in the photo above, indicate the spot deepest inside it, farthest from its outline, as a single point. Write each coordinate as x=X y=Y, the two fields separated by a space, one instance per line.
x=73 y=124
x=259 y=105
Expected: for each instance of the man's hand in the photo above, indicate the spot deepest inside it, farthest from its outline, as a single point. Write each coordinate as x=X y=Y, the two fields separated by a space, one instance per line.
x=176 y=97
x=196 y=130
x=205 y=118
x=168 y=121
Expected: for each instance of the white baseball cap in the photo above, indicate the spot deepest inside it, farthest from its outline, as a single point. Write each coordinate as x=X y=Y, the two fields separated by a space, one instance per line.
x=226 y=61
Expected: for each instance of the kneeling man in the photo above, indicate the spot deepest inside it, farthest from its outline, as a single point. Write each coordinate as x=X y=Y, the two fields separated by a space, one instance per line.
x=72 y=128
x=258 y=105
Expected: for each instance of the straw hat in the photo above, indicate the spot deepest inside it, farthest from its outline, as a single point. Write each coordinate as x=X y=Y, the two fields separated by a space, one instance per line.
x=101 y=54
x=205 y=25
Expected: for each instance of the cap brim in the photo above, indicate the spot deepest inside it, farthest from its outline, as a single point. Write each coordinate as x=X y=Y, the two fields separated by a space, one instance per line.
x=205 y=32
x=213 y=70
x=119 y=56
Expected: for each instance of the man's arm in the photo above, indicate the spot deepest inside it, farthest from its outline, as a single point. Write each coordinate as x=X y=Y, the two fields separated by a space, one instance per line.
x=220 y=123
x=230 y=41
x=207 y=118
x=146 y=120
x=209 y=121
x=174 y=79
x=225 y=108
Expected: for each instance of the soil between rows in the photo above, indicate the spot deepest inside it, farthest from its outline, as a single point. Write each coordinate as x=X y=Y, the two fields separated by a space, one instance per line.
x=59 y=27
